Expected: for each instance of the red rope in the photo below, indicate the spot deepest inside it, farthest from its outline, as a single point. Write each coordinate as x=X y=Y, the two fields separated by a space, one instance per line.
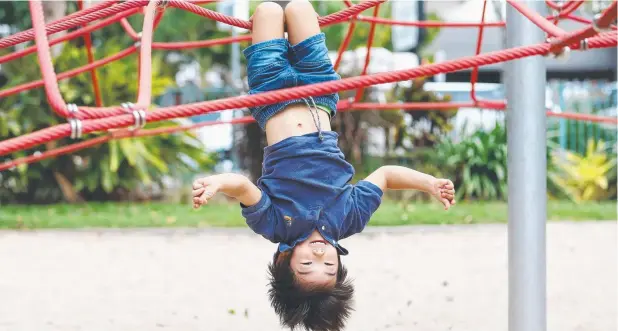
x=56 y=100
x=479 y=41
x=54 y=152
x=604 y=21
x=93 y=72
x=372 y=32
x=114 y=136
x=45 y=61
x=120 y=55
x=334 y=18
x=603 y=40
x=64 y=130
x=571 y=6
x=585 y=117
x=428 y=24
x=344 y=45
x=69 y=74
x=439 y=24
x=86 y=16
x=413 y=106
x=129 y=29
x=199 y=44
x=566 y=10
x=69 y=36
x=553 y=5
x=537 y=19
x=145 y=62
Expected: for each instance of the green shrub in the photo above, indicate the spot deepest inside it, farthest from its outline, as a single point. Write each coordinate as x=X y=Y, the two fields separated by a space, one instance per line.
x=103 y=172
x=476 y=164
x=584 y=177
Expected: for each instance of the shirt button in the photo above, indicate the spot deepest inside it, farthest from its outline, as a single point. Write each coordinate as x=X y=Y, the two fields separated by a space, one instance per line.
x=323 y=227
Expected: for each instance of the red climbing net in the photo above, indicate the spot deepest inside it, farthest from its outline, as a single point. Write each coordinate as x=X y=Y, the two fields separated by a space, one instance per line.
x=128 y=119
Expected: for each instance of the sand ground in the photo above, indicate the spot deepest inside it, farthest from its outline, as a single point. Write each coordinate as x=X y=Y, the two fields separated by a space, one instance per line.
x=415 y=278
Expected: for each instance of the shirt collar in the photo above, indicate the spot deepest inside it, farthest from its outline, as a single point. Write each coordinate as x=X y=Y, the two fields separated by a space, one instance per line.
x=283 y=247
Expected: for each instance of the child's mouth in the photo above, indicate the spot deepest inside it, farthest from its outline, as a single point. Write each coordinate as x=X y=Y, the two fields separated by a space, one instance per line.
x=318 y=242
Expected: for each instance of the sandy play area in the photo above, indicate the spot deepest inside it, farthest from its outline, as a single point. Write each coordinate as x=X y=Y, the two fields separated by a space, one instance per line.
x=407 y=279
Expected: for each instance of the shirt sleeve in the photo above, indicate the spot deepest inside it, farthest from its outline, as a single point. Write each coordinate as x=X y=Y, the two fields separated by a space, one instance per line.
x=261 y=218
x=365 y=199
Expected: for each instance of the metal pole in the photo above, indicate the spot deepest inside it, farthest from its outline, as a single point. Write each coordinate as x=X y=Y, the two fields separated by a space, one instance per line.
x=525 y=82
x=236 y=84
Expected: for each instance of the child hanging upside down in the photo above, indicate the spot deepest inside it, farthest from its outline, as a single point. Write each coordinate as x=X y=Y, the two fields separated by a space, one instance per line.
x=304 y=200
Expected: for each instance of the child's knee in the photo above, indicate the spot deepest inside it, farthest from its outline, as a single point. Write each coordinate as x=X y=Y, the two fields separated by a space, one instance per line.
x=298 y=8
x=268 y=10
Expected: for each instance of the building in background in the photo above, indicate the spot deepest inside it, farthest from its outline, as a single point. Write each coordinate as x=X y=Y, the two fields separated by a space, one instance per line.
x=461 y=42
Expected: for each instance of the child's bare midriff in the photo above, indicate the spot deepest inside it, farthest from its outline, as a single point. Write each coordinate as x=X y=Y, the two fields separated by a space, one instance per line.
x=295 y=120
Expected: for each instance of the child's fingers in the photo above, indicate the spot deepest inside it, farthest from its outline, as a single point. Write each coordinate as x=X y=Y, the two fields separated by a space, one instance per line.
x=446 y=204
x=198 y=192
x=199 y=183
x=451 y=192
x=448 y=195
x=206 y=196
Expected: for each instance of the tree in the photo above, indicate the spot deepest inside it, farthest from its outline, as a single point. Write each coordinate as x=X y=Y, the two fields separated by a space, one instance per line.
x=427 y=125
x=109 y=171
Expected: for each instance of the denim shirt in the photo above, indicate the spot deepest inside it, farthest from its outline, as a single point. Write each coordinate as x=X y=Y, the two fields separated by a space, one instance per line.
x=306 y=186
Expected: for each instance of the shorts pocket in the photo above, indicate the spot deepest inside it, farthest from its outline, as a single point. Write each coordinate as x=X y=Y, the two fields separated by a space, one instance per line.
x=266 y=74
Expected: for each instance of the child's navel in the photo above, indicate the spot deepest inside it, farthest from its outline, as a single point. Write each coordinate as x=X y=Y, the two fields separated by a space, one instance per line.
x=300 y=125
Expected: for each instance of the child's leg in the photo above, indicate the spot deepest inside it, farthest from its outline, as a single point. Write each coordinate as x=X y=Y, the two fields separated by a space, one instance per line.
x=308 y=54
x=301 y=20
x=268 y=66
x=268 y=21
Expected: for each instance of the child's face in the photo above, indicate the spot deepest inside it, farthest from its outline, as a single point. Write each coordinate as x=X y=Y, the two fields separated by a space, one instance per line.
x=315 y=261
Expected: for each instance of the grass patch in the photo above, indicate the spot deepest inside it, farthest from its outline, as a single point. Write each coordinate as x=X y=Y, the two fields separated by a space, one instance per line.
x=124 y=215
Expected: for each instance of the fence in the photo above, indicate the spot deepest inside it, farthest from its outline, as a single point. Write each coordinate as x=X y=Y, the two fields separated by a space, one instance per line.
x=589 y=97
x=584 y=97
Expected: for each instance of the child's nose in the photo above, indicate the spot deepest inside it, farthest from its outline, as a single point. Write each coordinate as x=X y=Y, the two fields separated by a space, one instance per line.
x=318 y=251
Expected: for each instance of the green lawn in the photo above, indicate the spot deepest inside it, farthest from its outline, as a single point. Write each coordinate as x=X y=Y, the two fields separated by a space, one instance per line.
x=228 y=215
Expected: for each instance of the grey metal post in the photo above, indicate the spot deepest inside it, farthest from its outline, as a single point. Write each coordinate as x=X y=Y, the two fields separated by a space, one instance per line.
x=525 y=82
x=236 y=81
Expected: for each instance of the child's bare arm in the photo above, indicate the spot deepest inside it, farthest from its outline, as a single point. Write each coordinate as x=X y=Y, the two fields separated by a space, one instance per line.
x=401 y=178
x=232 y=185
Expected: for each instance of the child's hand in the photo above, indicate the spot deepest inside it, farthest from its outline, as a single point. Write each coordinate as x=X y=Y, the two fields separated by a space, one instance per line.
x=444 y=191
x=204 y=189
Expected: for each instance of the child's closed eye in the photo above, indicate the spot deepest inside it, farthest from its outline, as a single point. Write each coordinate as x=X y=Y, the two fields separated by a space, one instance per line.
x=306 y=263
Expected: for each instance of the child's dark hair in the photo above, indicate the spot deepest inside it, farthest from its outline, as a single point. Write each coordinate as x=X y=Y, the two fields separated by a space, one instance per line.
x=315 y=308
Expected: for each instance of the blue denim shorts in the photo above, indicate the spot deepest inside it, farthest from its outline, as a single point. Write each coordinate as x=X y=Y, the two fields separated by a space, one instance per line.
x=275 y=64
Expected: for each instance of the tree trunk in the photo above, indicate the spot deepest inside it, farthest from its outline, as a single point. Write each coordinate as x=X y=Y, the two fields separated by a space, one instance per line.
x=387 y=141
x=54 y=10
x=68 y=191
x=250 y=150
x=65 y=185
